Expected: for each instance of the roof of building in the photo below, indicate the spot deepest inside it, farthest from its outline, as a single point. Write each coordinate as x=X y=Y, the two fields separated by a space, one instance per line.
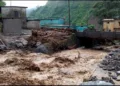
x=14 y=6
x=108 y=19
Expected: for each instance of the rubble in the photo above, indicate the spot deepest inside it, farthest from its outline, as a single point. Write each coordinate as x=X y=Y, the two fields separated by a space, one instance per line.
x=52 y=39
x=96 y=83
x=17 y=43
x=111 y=61
x=93 y=80
x=41 y=49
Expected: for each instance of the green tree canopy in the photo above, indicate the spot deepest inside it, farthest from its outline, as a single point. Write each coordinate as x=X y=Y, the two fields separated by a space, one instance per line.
x=107 y=9
x=2 y=3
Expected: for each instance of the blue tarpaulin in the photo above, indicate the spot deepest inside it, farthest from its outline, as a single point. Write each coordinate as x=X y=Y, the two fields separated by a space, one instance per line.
x=81 y=28
x=60 y=23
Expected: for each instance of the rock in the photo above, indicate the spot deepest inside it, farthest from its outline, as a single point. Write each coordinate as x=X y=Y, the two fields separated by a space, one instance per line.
x=107 y=79
x=111 y=53
x=41 y=49
x=118 y=72
x=94 y=78
x=38 y=43
x=19 y=44
x=112 y=61
x=23 y=41
x=3 y=47
x=113 y=75
x=96 y=83
x=118 y=78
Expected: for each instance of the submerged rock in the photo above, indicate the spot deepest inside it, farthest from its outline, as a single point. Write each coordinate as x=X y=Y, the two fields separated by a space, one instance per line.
x=41 y=49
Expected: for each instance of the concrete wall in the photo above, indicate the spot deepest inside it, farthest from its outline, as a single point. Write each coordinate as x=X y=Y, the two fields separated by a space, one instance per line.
x=33 y=24
x=113 y=25
x=117 y=24
x=9 y=12
x=108 y=25
x=12 y=26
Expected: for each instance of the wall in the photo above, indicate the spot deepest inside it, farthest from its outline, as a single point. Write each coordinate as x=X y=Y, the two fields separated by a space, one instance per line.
x=108 y=25
x=33 y=24
x=12 y=26
x=117 y=24
x=51 y=21
x=9 y=12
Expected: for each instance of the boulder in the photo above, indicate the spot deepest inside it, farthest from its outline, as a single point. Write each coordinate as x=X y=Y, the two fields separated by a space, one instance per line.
x=41 y=49
x=3 y=47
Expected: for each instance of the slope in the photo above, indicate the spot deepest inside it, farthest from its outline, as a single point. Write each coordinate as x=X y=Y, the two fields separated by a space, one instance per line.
x=80 y=11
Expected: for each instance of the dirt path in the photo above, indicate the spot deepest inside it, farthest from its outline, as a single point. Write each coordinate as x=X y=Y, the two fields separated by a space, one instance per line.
x=68 y=67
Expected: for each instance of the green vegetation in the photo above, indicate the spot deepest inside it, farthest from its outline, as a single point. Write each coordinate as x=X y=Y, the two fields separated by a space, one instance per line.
x=91 y=27
x=107 y=9
x=2 y=3
x=80 y=11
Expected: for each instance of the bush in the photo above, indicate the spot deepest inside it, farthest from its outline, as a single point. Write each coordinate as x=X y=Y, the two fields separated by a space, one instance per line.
x=91 y=27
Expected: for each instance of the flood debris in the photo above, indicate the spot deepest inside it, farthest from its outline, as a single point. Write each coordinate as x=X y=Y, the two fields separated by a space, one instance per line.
x=52 y=40
x=93 y=80
x=2 y=45
x=111 y=61
x=18 y=43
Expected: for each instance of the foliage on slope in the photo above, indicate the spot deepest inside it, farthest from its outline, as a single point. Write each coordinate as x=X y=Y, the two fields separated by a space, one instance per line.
x=107 y=9
x=2 y=3
x=80 y=11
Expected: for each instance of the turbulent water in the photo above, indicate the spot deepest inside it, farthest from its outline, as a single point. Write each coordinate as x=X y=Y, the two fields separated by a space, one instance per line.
x=68 y=67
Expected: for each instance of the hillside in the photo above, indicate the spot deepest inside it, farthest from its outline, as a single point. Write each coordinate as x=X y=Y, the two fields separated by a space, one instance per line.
x=80 y=11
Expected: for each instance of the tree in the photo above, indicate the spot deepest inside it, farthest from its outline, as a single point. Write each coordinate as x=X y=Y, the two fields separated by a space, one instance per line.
x=107 y=9
x=2 y=3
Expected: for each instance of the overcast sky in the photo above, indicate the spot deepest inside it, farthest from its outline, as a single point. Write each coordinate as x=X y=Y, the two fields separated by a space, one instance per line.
x=27 y=3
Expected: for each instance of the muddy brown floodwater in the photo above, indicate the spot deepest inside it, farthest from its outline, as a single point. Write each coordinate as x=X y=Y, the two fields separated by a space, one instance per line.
x=69 y=67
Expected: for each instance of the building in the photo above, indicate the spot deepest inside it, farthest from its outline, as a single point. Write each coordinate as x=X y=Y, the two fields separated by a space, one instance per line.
x=13 y=19
x=111 y=25
x=33 y=24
